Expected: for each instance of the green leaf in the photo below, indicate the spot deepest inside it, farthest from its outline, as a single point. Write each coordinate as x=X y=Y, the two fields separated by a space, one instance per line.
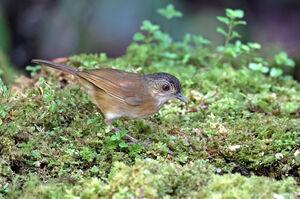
x=113 y=138
x=148 y=26
x=229 y=13
x=90 y=121
x=186 y=58
x=33 y=68
x=123 y=144
x=254 y=45
x=200 y=40
x=169 y=55
x=246 y=48
x=103 y=57
x=222 y=31
x=169 y=12
x=220 y=48
x=41 y=80
x=124 y=132
x=264 y=69
x=282 y=59
x=276 y=72
x=238 y=13
x=224 y=20
x=290 y=63
x=52 y=107
x=36 y=154
x=160 y=36
x=138 y=37
x=234 y=13
x=241 y=22
x=235 y=34
x=118 y=134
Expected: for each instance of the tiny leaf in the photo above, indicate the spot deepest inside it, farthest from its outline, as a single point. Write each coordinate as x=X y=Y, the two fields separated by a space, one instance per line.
x=138 y=37
x=123 y=144
x=276 y=72
x=235 y=34
x=222 y=31
x=241 y=22
x=224 y=20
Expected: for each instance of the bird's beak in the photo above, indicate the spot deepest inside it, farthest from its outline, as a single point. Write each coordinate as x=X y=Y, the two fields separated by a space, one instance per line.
x=181 y=97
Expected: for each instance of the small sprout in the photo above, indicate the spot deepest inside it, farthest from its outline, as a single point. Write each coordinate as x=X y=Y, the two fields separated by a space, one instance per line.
x=169 y=12
x=117 y=138
x=282 y=59
x=33 y=69
x=234 y=13
x=230 y=34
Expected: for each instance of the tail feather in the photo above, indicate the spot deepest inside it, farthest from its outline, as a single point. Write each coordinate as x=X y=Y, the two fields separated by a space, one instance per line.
x=61 y=67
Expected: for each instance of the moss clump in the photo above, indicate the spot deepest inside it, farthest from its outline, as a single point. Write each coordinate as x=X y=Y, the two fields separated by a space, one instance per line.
x=54 y=143
x=159 y=179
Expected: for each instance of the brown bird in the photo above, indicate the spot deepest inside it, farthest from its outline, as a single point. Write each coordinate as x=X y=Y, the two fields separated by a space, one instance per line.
x=120 y=94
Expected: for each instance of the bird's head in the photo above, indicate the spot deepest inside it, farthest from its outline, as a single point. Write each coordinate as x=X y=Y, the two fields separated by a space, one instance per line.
x=164 y=86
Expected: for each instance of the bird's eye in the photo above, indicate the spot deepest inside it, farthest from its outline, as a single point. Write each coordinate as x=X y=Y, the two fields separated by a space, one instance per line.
x=165 y=87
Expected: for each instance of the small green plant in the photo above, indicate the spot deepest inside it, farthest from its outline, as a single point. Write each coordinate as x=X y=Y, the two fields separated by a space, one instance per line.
x=246 y=51
x=281 y=60
x=117 y=138
x=169 y=12
x=231 y=20
x=33 y=70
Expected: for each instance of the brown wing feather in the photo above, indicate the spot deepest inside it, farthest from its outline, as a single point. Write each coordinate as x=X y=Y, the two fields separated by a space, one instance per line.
x=119 y=84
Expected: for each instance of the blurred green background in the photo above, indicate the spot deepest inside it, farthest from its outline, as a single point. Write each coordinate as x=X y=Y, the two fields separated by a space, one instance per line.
x=49 y=29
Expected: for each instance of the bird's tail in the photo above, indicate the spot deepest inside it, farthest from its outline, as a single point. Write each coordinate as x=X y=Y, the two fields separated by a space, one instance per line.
x=61 y=67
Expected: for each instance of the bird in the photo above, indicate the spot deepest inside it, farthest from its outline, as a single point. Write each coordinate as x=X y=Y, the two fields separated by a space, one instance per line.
x=120 y=94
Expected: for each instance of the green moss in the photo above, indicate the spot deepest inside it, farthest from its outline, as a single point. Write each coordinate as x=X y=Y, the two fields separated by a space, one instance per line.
x=161 y=179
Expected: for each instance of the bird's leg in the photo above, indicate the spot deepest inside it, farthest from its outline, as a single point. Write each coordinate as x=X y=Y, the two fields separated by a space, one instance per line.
x=109 y=122
x=127 y=136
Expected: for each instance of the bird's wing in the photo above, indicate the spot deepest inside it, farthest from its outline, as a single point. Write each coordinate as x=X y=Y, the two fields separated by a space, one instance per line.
x=122 y=85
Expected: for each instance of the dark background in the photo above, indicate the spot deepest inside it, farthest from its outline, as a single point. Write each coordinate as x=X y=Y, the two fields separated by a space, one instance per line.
x=59 y=28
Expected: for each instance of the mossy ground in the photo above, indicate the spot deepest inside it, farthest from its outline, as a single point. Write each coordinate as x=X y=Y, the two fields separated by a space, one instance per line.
x=55 y=144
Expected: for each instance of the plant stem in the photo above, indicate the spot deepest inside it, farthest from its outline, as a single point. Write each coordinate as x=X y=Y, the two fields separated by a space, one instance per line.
x=229 y=37
x=227 y=40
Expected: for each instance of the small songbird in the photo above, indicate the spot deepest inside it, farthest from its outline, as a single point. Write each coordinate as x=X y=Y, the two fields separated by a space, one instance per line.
x=120 y=94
